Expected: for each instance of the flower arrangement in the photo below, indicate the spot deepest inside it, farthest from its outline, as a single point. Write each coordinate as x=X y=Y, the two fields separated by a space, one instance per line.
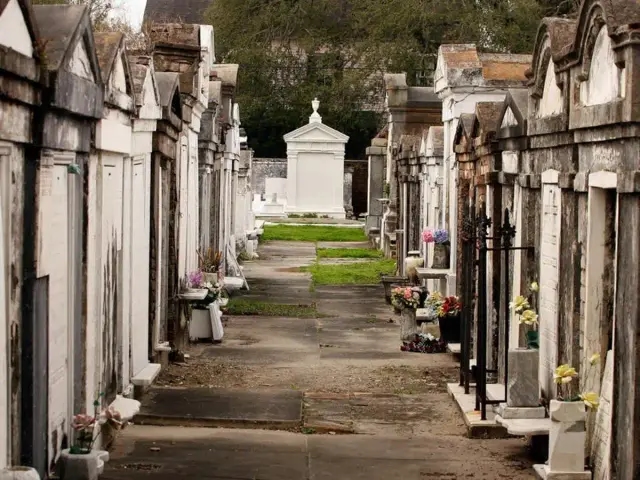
x=405 y=297
x=522 y=306
x=563 y=375
x=209 y=260
x=84 y=426
x=424 y=343
x=443 y=306
x=195 y=279
x=438 y=235
x=215 y=292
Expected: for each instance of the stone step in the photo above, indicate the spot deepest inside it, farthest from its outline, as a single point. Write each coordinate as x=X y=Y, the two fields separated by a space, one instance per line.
x=147 y=375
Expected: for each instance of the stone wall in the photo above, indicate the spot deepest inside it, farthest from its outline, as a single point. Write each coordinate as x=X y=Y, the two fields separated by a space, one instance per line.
x=263 y=168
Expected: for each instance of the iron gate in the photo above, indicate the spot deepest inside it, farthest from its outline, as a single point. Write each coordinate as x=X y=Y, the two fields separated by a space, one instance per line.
x=476 y=245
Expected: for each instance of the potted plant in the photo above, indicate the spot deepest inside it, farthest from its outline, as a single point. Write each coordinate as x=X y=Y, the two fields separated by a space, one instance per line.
x=407 y=299
x=441 y=248
x=200 y=324
x=81 y=461
x=210 y=261
x=389 y=282
x=528 y=318
x=568 y=419
x=447 y=310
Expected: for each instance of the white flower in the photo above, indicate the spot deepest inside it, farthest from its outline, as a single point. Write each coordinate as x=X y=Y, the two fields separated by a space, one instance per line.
x=595 y=358
x=207 y=285
x=534 y=287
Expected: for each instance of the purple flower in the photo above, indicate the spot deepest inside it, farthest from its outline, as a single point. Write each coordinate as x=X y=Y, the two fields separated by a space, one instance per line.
x=194 y=279
x=440 y=236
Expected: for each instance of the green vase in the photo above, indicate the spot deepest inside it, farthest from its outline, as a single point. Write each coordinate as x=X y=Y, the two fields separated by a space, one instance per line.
x=533 y=340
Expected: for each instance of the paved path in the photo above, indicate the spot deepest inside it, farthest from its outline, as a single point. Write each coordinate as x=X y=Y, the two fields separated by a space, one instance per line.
x=354 y=405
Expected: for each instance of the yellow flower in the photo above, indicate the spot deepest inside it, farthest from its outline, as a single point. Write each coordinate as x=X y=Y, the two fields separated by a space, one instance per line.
x=529 y=317
x=534 y=287
x=595 y=358
x=564 y=374
x=591 y=400
x=519 y=304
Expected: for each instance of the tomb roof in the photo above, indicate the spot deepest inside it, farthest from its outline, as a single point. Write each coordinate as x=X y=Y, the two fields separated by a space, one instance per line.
x=58 y=25
x=435 y=141
x=107 y=46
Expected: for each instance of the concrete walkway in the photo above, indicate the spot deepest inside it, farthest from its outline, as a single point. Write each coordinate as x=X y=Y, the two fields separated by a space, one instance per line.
x=354 y=406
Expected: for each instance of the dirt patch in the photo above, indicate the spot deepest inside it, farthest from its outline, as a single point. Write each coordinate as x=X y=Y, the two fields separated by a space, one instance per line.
x=203 y=373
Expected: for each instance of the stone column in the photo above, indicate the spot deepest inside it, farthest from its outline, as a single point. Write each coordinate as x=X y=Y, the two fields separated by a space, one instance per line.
x=348 y=191
x=376 y=184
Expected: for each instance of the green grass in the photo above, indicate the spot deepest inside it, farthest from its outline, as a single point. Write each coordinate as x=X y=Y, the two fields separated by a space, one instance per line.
x=349 y=253
x=362 y=273
x=313 y=233
x=240 y=306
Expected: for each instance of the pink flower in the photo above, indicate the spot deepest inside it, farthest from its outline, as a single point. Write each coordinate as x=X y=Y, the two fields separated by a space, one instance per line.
x=407 y=294
x=82 y=421
x=427 y=236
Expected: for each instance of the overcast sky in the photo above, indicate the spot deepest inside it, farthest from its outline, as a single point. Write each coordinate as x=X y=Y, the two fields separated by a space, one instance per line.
x=134 y=8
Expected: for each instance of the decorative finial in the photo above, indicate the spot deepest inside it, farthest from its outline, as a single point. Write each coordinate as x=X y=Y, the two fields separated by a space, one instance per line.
x=315 y=116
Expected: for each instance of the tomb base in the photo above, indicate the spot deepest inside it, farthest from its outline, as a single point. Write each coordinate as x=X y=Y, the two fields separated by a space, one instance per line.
x=543 y=472
x=507 y=412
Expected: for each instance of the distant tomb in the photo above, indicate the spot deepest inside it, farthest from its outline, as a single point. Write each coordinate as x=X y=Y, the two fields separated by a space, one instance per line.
x=315 y=168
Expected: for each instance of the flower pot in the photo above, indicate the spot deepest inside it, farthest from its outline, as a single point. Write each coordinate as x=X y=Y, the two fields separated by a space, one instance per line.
x=567 y=436
x=450 y=328
x=86 y=466
x=408 y=324
x=533 y=340
x=441 y=255
x=211 y=277
x=19 y=473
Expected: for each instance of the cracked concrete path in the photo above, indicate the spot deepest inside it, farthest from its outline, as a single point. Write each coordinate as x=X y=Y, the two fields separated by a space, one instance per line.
x=369 y=410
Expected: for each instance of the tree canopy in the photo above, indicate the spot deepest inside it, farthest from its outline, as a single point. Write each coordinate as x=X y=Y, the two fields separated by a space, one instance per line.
x=290 y=51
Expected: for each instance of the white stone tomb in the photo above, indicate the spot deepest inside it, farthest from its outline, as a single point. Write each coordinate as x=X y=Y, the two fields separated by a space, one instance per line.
x=315 y=168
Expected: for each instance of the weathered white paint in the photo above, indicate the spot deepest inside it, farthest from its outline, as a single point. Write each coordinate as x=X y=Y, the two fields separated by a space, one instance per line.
x=183 y=204
x=606 y=80
x=118 y=80
x=509 y=119
x=140 y=225
x=604 y=180
x=510 y=161
x=596 y=265
x=54 y=260
x=601 y=442
x=551 y=102
x=79 y=64
x=13 y=30
x=315 y=169
x=192 y=204
x=456 y=101
x=549 y=279
x=114 y=133
x=4 y=320
x=141 y=205
x=514 y=332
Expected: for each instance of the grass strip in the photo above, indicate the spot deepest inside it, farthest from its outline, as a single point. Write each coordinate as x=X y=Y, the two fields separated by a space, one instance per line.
x=361 y=273
x=313 y=233
x=243 y=306
x=349 y=253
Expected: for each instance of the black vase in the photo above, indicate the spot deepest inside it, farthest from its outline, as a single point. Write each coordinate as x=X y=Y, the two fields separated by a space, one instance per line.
x=450 y=328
